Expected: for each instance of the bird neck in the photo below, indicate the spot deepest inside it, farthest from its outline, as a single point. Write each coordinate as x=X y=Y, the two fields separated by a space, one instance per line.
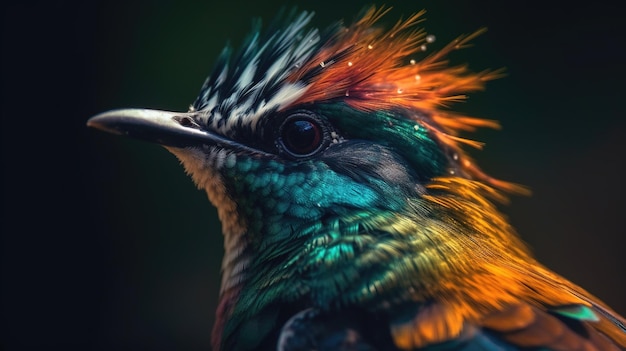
x=205 y=174
x=447 y=243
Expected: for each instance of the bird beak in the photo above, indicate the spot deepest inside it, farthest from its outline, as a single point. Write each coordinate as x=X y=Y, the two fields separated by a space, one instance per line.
x=178 y=129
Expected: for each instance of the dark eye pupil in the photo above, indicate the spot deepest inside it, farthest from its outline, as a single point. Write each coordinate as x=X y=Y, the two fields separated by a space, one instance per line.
x=301 y=137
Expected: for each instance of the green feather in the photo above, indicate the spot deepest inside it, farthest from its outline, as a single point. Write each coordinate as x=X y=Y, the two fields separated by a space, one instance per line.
x=579 y=312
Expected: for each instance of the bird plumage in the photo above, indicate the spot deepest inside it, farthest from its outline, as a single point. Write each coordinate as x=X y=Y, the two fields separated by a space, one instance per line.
x=353 y=219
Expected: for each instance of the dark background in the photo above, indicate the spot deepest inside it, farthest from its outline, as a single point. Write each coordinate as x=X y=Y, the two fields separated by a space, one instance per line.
x=106 y=243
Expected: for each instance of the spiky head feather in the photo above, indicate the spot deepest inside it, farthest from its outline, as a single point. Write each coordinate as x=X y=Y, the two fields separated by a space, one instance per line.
x=364 y=65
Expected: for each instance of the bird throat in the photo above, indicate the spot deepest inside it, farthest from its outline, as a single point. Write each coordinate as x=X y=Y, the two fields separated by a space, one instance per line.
x=204 y=167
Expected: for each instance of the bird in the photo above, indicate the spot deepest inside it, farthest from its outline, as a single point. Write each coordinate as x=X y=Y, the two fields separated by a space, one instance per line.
x=353 y=216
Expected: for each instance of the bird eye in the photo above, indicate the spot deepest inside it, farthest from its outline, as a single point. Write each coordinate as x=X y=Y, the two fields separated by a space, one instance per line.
x=301 y=136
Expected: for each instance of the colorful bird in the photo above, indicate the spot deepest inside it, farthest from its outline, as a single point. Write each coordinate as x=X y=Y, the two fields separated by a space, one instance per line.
x=353 y=218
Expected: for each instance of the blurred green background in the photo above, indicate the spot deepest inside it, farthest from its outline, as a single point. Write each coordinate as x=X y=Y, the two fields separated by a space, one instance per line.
x=106 y=243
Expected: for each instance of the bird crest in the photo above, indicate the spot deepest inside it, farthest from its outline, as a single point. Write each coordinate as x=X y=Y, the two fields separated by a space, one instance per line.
x=363 y=65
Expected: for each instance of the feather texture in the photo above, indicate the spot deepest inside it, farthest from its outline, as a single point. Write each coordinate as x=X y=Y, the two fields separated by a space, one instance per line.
x=353 y=217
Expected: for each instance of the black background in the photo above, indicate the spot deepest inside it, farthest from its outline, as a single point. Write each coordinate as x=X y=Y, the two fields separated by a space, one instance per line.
x=106 y=243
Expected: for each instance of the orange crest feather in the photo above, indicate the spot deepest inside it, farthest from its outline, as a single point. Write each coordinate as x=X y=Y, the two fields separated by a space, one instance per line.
x=365 y=66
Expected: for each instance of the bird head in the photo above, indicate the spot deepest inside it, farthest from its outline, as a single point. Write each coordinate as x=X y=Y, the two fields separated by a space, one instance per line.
x=337 y=168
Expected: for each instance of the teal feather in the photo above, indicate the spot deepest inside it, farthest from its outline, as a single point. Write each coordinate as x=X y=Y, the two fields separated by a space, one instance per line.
x=579 y=312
